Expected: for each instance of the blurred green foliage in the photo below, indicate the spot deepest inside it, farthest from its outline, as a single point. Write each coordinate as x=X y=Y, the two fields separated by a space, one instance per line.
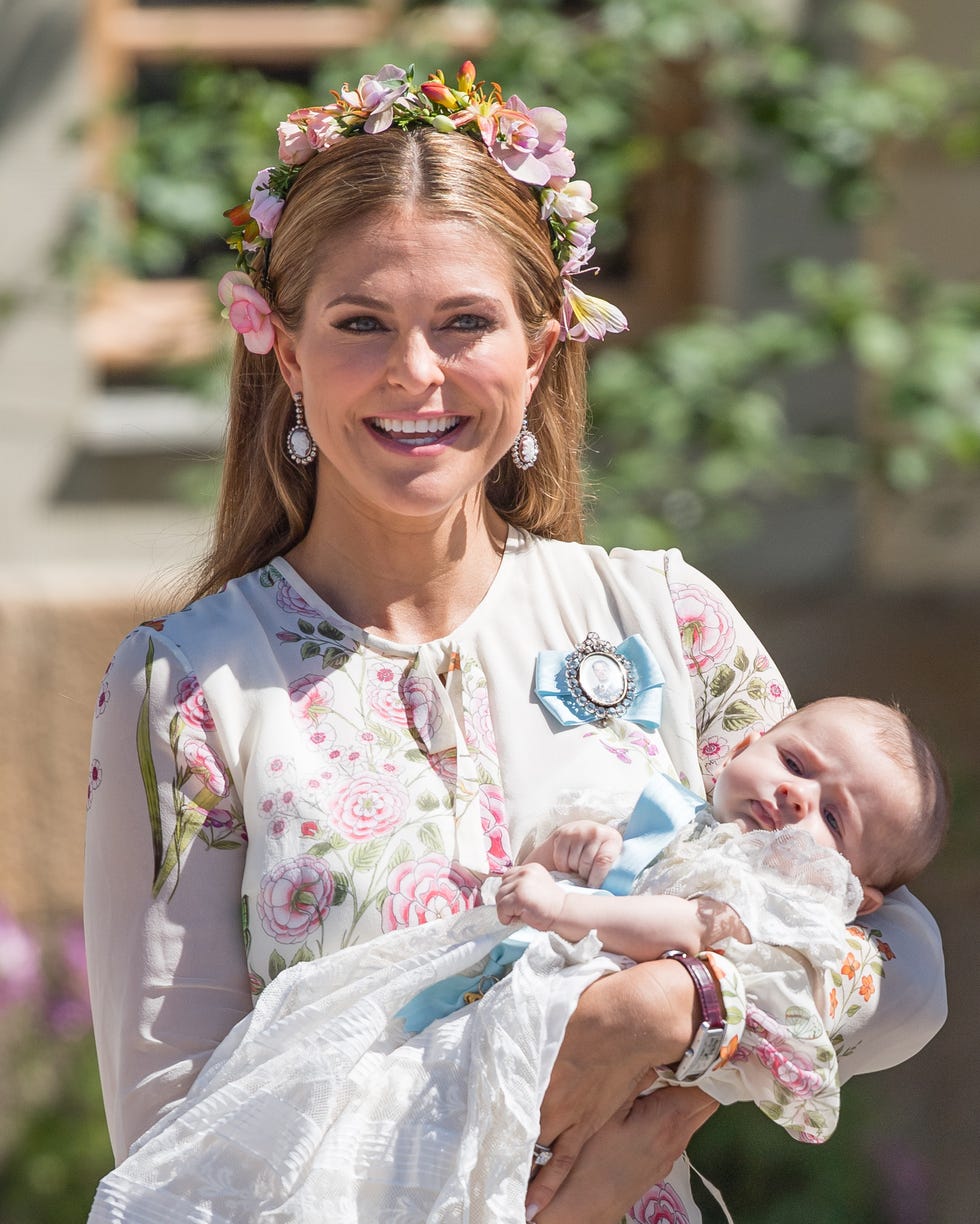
x=692 y=427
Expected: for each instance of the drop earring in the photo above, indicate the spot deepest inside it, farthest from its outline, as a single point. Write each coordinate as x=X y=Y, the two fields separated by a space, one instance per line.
x=299 y=440
x=524 y=452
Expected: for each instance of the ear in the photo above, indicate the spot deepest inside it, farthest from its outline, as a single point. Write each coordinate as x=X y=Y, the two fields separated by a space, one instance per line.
x=540 y=351
x=741 y=746
x=285 y=350
x=873 y=898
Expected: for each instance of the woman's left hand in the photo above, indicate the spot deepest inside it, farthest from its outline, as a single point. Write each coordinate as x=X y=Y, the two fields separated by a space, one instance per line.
x=635 y=1149
x=625 y=1026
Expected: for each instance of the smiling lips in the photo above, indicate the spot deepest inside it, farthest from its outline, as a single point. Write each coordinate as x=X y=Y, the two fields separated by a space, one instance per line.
x=761 y=815
x=415 y=431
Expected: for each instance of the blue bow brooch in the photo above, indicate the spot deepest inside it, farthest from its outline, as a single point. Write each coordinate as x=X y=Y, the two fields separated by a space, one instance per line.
x=598 y=681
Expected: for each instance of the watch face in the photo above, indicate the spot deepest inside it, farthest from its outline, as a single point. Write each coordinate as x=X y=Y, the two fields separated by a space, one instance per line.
x=603 y=678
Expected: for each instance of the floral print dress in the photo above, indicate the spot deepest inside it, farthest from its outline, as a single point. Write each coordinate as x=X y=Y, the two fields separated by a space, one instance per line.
x=270 y=784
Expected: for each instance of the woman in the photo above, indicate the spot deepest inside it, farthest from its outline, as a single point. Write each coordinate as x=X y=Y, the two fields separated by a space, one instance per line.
x=388 y=665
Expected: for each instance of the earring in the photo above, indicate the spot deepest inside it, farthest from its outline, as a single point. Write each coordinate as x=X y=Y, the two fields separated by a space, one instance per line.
x=524 y=452
x=299 y=440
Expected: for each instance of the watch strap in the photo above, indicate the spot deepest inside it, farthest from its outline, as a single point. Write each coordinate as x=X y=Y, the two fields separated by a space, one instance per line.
x=709 y=1036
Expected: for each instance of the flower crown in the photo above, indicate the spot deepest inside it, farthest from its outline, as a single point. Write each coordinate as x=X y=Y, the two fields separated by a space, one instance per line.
x=528 y=143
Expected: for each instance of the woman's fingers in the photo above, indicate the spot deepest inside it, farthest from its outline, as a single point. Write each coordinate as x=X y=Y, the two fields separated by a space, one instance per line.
x=634 y=1150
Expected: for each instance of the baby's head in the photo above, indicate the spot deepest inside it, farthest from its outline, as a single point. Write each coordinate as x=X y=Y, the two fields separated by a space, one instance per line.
x=856 y=775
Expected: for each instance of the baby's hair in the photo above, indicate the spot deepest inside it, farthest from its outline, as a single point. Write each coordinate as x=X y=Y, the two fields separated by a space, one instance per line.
x=902 y=741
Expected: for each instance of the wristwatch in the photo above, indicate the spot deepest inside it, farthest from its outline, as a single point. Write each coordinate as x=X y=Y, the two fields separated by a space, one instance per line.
x=710 y=1034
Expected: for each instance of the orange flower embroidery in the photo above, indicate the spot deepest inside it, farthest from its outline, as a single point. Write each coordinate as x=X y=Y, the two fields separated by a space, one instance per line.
x=833 y=1002
x=885 y=950
x=850 y=966
x=727 y=1051
x=867 y=987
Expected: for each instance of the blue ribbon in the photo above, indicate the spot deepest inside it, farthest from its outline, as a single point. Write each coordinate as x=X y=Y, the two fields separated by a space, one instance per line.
x=551 y=687
x=664 y=807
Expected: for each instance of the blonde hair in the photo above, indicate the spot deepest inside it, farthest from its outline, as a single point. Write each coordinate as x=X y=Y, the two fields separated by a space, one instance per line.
x=266 y=502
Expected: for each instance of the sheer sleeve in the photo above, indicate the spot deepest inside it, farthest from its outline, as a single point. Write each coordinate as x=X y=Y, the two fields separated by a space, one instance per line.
x=888 y=998
x=163 y=872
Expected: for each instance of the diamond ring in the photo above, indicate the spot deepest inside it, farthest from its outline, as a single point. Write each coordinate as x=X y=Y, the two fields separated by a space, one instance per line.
x=541 y=1154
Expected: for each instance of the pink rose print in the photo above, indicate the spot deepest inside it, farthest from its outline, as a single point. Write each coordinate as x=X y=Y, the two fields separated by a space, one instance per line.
x=291 y=601
x=192 y=704
x=103 y=698
x=422 y=706
x=311 y=698
x=295 y=898
x=712 y=749
x=205 y=764
x=426 y=889
x=495 y=835
x=368 y=807
x=761 y=662
x=659 y=1206
x=706 y=631
x=795 y=1074
x=775 y=691
x=479 y=726
x=445 y=765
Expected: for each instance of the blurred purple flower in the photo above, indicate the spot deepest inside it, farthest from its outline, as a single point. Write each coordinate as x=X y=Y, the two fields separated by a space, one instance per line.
x=69 y=1011
x=20 y=963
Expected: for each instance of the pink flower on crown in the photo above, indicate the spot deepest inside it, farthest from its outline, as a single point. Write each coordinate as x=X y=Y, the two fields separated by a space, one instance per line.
x=572 y=203
x=378 y=95
x=247 y=311
x=265 y=206
x=530 y=144
x=294 y=144
x=320 y=126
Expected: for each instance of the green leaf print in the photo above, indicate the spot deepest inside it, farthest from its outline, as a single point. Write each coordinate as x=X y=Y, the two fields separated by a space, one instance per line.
x=305 y=627
x=802 y=1022
x=741 y=659
x=366 y=855
x=190 y=818
x=427 y=802
x=739 y=715
x=771 y=1110
x=341 y=888
x=309 y=650
x=431 y=838
x=401 y=854
x=325 y=629
x=277 y=962
x=144 y=754
x=304 y=954
x=334 y=658
x=722 y=680
x=266 y=578
x=756 y=689
x=853 y=1009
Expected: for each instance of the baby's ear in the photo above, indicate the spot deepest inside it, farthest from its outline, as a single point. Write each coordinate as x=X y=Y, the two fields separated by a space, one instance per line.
x=873 y=898
x=741 y=746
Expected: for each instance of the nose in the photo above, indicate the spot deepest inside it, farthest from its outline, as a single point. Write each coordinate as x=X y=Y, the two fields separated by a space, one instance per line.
x=796 y=799
x=412 y=363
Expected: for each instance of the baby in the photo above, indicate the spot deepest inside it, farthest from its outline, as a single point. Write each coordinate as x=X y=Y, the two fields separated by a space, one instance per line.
x=853 y=774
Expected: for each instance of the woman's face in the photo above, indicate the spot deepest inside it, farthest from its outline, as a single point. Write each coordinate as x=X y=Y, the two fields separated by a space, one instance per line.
x=414 y=368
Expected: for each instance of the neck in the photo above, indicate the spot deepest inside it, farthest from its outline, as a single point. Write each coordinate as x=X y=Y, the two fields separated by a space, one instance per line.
x=407 y=581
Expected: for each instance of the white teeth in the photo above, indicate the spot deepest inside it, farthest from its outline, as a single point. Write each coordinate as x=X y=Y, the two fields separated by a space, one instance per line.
x=428 y=426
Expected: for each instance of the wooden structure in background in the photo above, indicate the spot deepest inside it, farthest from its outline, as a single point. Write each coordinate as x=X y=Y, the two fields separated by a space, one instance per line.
x=131 y=324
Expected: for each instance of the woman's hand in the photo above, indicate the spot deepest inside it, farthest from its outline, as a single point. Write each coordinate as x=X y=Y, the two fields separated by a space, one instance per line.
x=633 y=1151
x=625 y=1026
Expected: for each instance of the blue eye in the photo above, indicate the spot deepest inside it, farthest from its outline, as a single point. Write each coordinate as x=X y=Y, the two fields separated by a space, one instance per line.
x=469 y=323
x=359 y=323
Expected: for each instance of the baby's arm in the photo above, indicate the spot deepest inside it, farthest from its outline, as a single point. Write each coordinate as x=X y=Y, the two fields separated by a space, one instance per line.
x=640 y=927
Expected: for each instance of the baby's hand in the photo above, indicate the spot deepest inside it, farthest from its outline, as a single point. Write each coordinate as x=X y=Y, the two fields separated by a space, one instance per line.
x=529 y=895
x=586 y=849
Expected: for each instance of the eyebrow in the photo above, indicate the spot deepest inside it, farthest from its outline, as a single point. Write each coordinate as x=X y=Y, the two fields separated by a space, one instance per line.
x=452 y=303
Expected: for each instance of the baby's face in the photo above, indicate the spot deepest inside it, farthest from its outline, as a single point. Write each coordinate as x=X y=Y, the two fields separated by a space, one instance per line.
x=824 y=771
